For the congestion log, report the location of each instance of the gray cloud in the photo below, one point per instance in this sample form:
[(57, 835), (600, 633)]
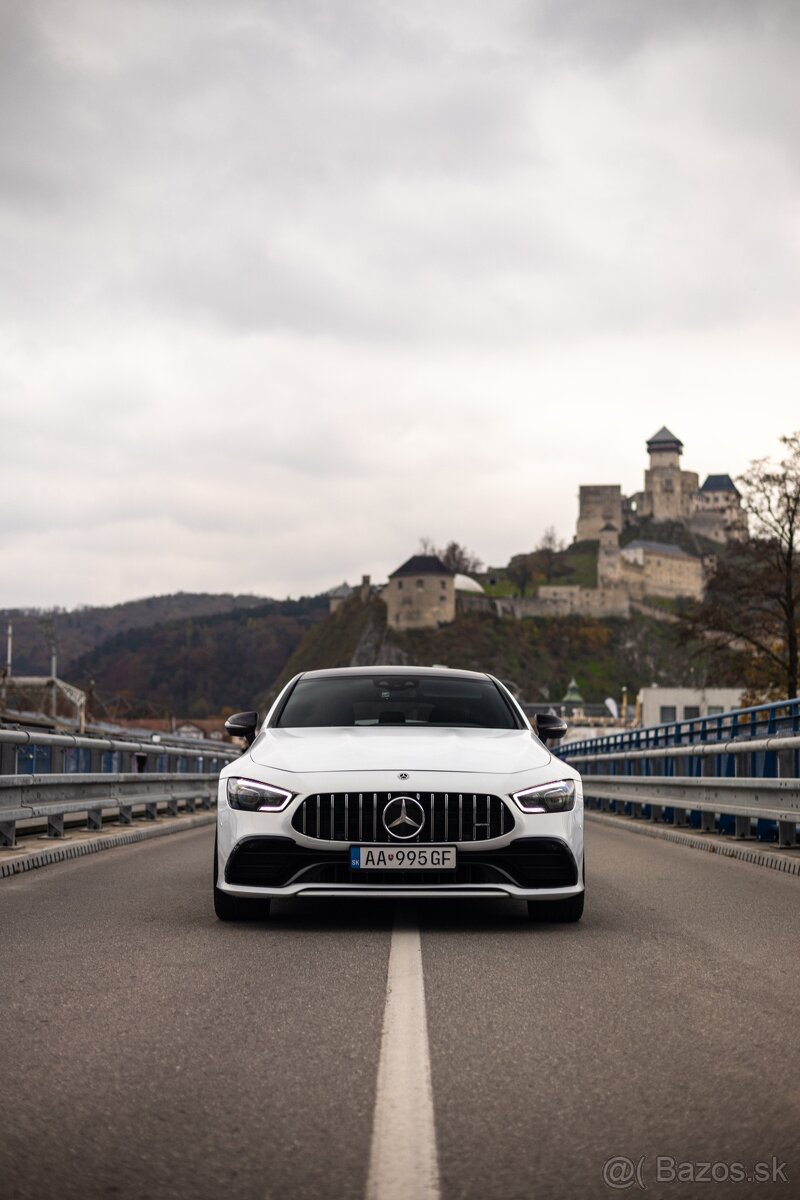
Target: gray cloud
[(369, 271)]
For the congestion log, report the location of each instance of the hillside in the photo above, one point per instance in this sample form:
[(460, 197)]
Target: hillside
[(80, 630), (539, 656), (198, 665), (350, 637)]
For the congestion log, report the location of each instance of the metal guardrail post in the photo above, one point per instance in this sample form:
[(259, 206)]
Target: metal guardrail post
[(55, 825), (787, 833), (8, 759)]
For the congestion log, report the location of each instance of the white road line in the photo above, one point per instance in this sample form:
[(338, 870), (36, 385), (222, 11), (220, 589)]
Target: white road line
[(402, 1162)]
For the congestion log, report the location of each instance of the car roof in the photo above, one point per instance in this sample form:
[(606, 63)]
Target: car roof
[(441, 672)]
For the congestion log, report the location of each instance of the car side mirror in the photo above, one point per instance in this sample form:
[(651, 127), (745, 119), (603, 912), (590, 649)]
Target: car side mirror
[(243, 725), (549, 727)]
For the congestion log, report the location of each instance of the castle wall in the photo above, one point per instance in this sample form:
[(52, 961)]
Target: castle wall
[(552, 601), (648, 573)]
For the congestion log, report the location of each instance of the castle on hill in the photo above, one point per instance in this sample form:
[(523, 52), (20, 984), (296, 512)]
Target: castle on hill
[(713, 511), (656, 544), (649, 563)]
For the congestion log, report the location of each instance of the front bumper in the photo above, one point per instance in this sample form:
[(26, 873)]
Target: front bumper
[(263, 855)]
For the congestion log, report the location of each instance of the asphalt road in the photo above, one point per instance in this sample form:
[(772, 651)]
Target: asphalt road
[(151, 1052)]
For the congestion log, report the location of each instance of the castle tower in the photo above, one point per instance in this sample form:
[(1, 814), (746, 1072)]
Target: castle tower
[(667, 488), (609, 558), (665, 450), (598, 505)]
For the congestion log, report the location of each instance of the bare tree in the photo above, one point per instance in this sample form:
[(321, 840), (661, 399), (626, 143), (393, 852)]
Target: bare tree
[(753, 598), (458, 558), (521, 571), (548, 554)]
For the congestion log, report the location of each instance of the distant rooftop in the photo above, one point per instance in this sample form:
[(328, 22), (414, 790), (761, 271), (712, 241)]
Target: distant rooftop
[(658, 548), (423, 564), (720, 483), (341, 592), (665, 440)]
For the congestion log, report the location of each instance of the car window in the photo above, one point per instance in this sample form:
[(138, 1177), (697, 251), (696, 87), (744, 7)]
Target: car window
[(408, 700)]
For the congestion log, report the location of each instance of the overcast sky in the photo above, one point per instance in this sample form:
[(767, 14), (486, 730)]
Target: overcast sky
[(287, 285)]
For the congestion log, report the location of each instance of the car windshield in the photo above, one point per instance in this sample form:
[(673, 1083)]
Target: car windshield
[(333, 701)]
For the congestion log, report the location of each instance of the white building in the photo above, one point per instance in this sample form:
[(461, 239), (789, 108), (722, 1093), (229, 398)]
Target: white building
[(660, 705)]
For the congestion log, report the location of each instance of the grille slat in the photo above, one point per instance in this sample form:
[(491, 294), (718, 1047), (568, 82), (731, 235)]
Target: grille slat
[(351, 817)]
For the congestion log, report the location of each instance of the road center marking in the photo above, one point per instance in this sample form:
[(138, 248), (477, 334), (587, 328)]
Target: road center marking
[(402, 1161)]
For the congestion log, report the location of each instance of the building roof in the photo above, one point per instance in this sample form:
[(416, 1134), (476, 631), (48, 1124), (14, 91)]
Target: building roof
[(340, 593), (664, 440), (465, 583), (658, 548), (572, 695), (423, 564), (720, 483)]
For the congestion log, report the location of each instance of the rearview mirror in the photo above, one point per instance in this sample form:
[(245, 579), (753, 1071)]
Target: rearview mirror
[(243, 725), (549, 727)]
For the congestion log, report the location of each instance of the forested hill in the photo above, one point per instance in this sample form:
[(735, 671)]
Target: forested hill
[(80, 630), (199, 666)]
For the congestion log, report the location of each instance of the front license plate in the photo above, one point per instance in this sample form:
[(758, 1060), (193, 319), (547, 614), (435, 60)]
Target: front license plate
[(401, 858)]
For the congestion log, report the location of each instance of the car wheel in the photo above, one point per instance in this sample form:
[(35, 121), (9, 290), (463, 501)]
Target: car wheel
[(237, 908), (561, 911)]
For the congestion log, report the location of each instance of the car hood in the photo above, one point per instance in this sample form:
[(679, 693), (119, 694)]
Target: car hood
[(488, 751)]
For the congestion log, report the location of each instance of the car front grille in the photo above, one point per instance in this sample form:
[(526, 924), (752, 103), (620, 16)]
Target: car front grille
[(525, 862), (449, 817)]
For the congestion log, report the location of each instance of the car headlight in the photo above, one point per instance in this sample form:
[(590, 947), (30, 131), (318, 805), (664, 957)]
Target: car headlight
[(253, 796), (547, 797)]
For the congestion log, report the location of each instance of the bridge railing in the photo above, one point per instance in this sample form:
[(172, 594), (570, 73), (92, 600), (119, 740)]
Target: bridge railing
[(737, 772), (94, 775)]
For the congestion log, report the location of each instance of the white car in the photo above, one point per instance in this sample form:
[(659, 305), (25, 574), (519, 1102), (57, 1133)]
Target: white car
[(398, 781)]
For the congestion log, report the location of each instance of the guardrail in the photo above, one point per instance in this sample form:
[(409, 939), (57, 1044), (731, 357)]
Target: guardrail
[(93, 775), (695, 773), (28, 752), (23, 797)]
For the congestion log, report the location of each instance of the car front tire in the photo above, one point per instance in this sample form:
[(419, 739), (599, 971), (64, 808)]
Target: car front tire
[(561, 911), (237, 908)]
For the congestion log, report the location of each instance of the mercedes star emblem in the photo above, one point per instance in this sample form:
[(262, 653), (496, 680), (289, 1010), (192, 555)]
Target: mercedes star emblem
[(403, 775), (403, 817)]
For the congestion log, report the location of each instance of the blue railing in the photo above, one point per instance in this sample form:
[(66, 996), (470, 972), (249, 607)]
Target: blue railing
[(645, 754), (763, 720), (38, 760), (27, 752)]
